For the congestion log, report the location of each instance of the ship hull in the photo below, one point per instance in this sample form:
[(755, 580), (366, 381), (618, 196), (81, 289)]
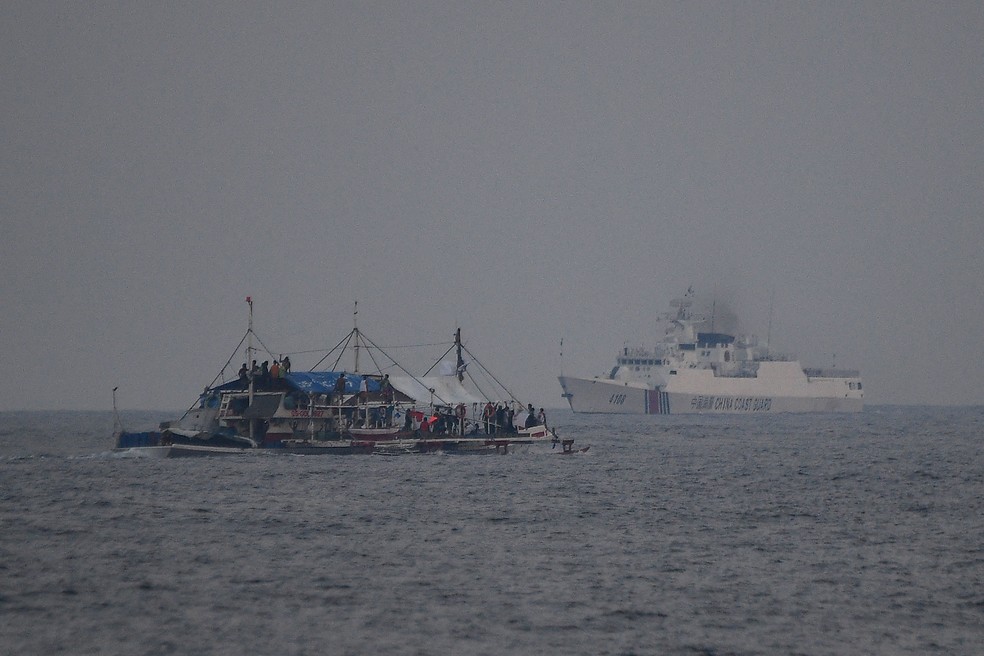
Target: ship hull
[(598, 395)]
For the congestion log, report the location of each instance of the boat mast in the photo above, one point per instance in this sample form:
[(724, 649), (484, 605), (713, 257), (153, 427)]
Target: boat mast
[(459, 365), (355, 331), (249, 362), (117, 422)]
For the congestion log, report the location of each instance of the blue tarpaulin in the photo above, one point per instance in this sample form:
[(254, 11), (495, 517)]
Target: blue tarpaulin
[(323, 382), (312, 382)]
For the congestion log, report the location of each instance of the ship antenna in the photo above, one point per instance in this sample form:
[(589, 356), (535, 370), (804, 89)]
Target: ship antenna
[(768, 335)]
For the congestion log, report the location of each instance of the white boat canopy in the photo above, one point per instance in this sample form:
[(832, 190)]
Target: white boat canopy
[(448, 390)]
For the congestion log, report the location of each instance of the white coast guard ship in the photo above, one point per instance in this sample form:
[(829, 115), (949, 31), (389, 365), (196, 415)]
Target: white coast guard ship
[(709, 372)]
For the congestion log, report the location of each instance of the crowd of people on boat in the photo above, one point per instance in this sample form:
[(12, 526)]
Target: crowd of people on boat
[(265, 375), (494, 419)]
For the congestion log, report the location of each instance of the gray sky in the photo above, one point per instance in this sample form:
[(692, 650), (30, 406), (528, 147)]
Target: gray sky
[(528, 171)]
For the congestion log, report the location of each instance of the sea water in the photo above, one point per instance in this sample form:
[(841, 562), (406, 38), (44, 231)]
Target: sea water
[(809, 534)]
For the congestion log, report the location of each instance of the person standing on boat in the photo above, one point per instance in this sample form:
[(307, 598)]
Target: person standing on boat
[(500, 417), (275, 371), (541, 418), (243, 375), (285, 364), (510, 414), (339, 389), (487, 414), (530, 416), (386, 387), (363, 390), (265, 373)]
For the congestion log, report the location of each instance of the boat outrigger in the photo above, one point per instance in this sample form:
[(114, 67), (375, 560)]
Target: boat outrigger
[(339, 411)]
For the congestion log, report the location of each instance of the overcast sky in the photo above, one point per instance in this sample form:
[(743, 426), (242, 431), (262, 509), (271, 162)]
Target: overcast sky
[(529, 171)]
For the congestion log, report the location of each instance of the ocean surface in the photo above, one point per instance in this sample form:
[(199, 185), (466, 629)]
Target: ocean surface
[(847, 534)]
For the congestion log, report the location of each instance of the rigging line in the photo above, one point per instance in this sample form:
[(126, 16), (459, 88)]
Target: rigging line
[(222, 371), (489, 373), (268, 351), (402, 346), (478, 387), (440, 358), (400, 367), (491, 381), (365, 341), (344, 339), (341, 351)]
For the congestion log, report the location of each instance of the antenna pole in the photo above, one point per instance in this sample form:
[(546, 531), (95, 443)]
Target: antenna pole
[(768, 336)]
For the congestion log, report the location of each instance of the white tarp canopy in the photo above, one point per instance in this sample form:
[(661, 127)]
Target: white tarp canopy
[(448, 390)]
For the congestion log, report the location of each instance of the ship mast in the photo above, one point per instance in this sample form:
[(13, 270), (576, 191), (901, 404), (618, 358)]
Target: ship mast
[(249, 361)]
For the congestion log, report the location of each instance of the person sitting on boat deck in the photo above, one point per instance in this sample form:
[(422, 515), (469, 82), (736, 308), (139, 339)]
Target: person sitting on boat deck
[(243, 375), (530, 416), (339, 391)]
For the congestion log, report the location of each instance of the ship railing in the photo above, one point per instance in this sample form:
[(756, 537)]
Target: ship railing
[(830, 372)]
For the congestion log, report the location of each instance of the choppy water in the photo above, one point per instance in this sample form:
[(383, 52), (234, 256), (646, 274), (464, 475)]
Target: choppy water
[(672, 535)]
